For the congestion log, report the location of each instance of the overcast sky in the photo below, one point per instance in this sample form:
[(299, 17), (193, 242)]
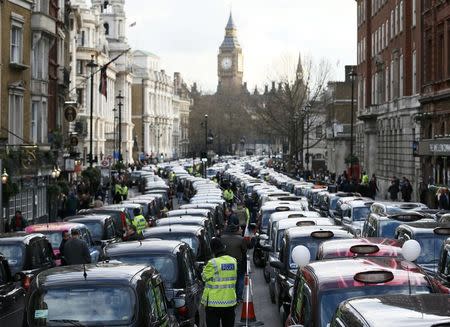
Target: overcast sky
[(186, 34)]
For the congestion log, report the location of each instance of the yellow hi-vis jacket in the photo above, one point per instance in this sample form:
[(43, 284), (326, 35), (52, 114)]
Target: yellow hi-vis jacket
[(228, 195), (220, 276), (118, 189), (140, 223), (247, 216)]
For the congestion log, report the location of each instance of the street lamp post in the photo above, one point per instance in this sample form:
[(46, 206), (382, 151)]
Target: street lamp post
[(352, 76), (120, 104), (92, 65)]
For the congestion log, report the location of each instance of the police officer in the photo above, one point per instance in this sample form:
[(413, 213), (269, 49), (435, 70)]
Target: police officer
[(124, 191), (117, 193), (228, 196), (219, 294), (139, 221)]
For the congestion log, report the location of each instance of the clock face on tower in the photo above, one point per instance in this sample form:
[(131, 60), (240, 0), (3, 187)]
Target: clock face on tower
[(226, 63)]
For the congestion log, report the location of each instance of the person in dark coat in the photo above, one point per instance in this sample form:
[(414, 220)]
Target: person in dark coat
[(394, 189), (76, 251), (373, 187), (236, 247), (406, 190), (18, 223), (65, 238)]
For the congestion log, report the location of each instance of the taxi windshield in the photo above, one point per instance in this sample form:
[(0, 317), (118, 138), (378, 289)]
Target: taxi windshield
[(265, 218), (430, 248), (166, 265), (360, 213), (86, 305), (190, 240), (388, 228), (14, 254), (330, 300), (54, 238), (96, 229), (333, 203)]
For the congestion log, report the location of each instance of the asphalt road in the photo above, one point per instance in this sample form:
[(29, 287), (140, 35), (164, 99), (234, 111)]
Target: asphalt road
[(265, 310)]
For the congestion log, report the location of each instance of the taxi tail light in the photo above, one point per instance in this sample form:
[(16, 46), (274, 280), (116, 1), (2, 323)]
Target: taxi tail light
[(26, 282), (374, 277), (183, 311), (364, 249)]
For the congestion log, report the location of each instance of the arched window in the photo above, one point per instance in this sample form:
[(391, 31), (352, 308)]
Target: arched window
[(106, 26)]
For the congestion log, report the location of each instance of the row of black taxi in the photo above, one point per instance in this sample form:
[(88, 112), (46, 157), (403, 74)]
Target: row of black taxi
[(343, 260), (153, 281)]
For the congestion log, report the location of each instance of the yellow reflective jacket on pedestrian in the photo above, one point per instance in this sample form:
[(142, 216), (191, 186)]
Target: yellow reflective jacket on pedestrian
[(118, 189), (228, 195), (220, 276), (125, 191), (140, 223), (247, 216)]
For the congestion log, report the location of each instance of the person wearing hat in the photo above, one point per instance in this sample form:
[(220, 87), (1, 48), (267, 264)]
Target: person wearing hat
[(236, 247), (219, 294)]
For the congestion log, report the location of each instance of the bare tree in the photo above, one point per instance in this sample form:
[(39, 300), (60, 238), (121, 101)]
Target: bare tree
[(288, 108)]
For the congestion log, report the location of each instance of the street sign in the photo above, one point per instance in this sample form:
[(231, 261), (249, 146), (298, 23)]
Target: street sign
[(70, 113), (105, 163), (73, 141)]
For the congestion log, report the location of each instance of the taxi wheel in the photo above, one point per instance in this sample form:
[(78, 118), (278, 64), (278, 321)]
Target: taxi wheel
[(266, 274)]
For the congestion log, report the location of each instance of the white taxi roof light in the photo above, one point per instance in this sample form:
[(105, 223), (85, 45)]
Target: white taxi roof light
[(301, 255), (322, 234), (305, 223), (374, 277), (364, 249), (442, 230), (296, 215), (278, 209), (411, 250)]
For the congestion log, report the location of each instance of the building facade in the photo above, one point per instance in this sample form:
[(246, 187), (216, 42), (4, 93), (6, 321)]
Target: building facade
[(388, 58), (434, 144), (337, 100)]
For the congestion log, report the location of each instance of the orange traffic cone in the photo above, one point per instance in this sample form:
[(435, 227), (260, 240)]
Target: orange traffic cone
[(248, 317)]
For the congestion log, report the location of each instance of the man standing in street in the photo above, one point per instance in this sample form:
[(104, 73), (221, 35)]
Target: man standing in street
[(76, 251), (18, 222), (219, 295), (236, 247), (65, 238), (139, 221), (229, 196)]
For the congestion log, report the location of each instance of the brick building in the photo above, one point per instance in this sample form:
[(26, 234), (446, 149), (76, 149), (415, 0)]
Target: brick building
[(434, 144), (388, 57)]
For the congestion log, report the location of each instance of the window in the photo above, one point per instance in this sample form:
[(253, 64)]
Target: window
[(106, 26), (396, 21), (387, 32), (414, 13), (414, 72), (80, 96), (440, 53), (16, 43), (401, 20), (401, 77), (80, 68), (382, 36), (34, 121), (319, 133), (392, 24), (15, 117), (39, 65), (387, 84)]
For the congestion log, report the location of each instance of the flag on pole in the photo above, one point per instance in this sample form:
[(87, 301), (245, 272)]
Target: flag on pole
[(103, 81)]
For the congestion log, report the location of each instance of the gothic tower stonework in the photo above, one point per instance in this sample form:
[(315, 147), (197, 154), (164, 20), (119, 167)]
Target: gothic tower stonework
[(230, 63)]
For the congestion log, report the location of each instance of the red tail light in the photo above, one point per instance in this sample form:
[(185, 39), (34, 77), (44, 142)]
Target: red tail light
[(183, 311), (26, 282)]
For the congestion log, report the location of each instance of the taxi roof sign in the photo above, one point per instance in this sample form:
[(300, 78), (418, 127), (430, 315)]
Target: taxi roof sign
[(364, 249), (322, 234), (374, 277), (305, 223)]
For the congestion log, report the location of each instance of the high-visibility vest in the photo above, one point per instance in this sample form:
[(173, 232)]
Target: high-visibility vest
[(125, 190), (118, 189), (228, 195), (140, 223), (220, 276)]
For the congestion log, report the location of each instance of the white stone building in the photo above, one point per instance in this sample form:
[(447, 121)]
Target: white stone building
[(156, 108), (91, 36)]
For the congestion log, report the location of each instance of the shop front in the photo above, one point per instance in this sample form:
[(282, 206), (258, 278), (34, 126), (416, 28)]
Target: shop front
[(435, 160)]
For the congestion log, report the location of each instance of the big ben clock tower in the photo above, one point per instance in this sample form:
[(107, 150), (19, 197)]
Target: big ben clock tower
[(230, 62)]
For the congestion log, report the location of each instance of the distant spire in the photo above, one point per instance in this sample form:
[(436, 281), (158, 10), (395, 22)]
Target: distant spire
[(230, 24), (299, 73)]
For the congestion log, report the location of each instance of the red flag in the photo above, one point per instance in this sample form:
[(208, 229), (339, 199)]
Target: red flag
[(103, 81)]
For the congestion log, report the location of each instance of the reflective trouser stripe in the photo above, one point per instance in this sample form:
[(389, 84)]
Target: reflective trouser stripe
[(219, 286), (212, 303)]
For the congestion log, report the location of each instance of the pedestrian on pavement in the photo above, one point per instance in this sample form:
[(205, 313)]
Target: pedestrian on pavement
[(443, 198), (98, 203), (393, 189), (236, 247), (219, 294), (65, 238), (18, 223), (373, 187), (180, 191), (76, 251), (406, 189)]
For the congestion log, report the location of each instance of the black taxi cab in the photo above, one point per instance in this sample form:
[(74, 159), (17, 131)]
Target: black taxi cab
[(102, 294), (309, 236), (424, 310), (175, 263), (431, 237), (322, 285), (443, 272), (12, 297)]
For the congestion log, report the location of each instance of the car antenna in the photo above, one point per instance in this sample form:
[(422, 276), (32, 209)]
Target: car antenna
[(84, 271)]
